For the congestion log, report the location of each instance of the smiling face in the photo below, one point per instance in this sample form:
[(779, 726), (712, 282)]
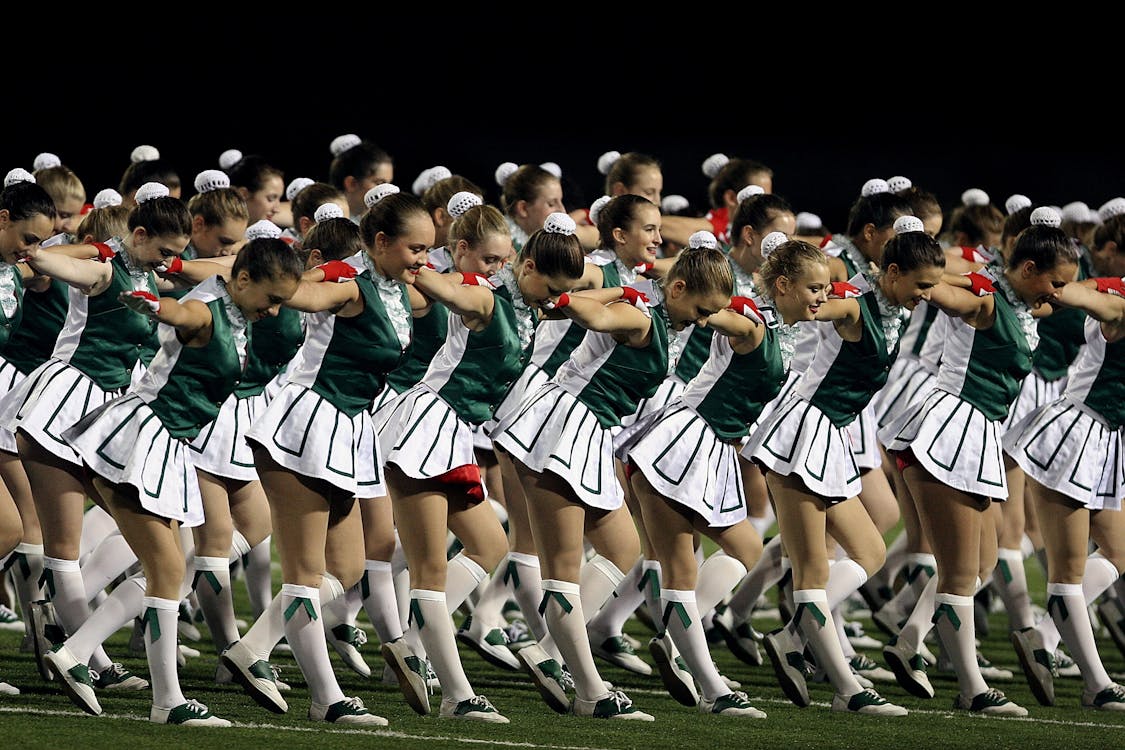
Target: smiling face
[(17, 238), (1037, 287), (800, 298), (687, 308), (536, 288), (910, 288), (400, 258), (638, 242), (151, 250), (263, 298), (264, 203)]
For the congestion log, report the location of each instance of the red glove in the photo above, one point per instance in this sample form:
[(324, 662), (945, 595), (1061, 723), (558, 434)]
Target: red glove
[(173, 266), (145, 303), (1111, 285), (105, 252), (337, 270), (643, 268), (632, 295), (975, 254), (981, 284), (468, 278), (843, 290), (745, 306), (562, 301)]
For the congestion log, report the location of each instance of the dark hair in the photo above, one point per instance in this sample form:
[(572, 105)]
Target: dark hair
[(734, 175), (523, 185), (163, 216), (977, 221), (358, 161), (912, 250), (922, 202), (880, 209), (311, 197), (23, 200), (154, 170), (620, 211), (1045, 246), (1111, 230), (756, 212), (267, 258), (1016, 222), (627, 168), (336, 238), (389, 216), (556, 255), (251, 172), (437, 195)]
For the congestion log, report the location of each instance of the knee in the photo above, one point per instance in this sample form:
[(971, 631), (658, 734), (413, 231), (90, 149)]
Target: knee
[(9, 538), (872, 557), (348, 573), (623, 555)]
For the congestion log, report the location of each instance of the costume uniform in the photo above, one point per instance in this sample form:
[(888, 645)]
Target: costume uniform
[(1074, 444), (319, 424), (91, 363), (806, 435), (688, 450), (565, 426), (140, 438), (221, 448), (955, 431)]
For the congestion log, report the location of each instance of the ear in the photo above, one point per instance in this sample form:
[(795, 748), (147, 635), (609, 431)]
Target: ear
[(617, 188), (304, 224), (869, 232), (242, 280), (521, 209), (244, 192), (893, 271), (197, 223), (5, 217), (315, 257), (140, 234), (350, 183), (783, 285), (679, 286), (619, 235), (1028, 269), (730, 198), (462, 246)]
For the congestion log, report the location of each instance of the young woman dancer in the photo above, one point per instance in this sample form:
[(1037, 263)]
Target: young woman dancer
[(949, 443), (560, 441), (135, 447), (812, 474)]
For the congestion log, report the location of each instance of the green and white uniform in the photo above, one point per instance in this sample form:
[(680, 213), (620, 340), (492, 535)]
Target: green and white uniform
[(916, 366), (688, 451), (1074, 444), (141, 438), (955, 431), (554, 341), (319, 425), (221, 448), (92, 361), (11, 313), (807, 434), (566, 425), (427, 432)]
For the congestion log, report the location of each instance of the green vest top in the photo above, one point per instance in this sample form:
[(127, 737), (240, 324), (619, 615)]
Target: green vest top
[(275, 343), (428, 337), (33, 341)]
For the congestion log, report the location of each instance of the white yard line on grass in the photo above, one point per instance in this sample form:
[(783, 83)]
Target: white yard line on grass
[(320, 729)]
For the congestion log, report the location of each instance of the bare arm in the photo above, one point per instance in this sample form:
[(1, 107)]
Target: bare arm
[(1106, 308), (745, 333), (89, 276), (312, 296), (469, 301), (959, 302), (615, 319), (191, 318), (679, 229)]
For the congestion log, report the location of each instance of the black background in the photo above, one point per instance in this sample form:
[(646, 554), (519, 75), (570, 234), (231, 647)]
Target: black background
[(826, 106)]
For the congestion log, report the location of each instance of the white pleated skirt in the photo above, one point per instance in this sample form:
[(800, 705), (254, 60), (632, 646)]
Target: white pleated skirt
[(306, 434), (10, 377), (221, 448)]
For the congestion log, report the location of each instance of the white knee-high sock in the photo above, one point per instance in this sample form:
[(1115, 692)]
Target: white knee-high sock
[(266, 631), (1066, 604), (489, 609), (377, 588), (845, 576), (430, 615), (1010, 581), (343, 609), (401, 580), (119, 608), (954, 618), (598, 579), (916, 572), (212, 588), (305, 633), (884, 577), (27, 569), (63, 581), (920, 621), (527, 585), (110, 558), (718, 576), (681, 622), (462, 576), (629, 594), (562, 609), (652, 580), (258, 575), (813, 618), (765, 573), (160, 616), (1099, 575)]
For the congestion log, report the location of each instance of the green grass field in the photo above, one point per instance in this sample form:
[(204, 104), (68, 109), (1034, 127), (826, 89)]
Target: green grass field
[(42, 717)]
